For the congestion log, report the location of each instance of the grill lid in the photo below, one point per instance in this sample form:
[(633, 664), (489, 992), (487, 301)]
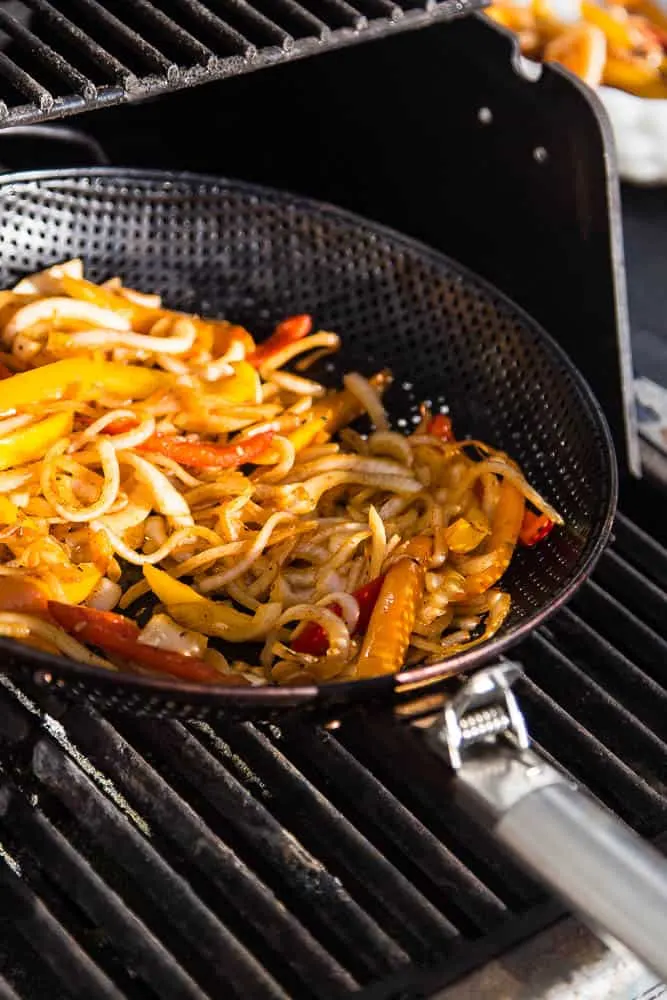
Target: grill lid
[(67, 56)]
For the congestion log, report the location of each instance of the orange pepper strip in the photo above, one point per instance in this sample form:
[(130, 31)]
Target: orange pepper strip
[(202, 456), (393, 618), (340, 408), (288, 332), (117, 634), (507, 521)]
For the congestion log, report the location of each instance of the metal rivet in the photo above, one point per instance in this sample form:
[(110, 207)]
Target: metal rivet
[(540, 154), (485, 116)]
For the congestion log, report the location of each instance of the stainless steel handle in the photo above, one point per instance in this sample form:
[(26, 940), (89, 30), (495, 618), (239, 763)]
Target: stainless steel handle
[(604, 871), (601, 868)]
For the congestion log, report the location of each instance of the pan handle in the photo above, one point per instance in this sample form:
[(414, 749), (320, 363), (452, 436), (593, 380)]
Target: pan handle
[(601, 868)]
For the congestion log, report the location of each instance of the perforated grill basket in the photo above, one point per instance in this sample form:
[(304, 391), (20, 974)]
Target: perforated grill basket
[(254, 256)]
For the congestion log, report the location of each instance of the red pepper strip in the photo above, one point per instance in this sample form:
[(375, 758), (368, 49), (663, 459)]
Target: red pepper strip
[(288, 332), (441, 426), (77, 619), (201, 456), (117, 634), (315, 641), (534, 528)]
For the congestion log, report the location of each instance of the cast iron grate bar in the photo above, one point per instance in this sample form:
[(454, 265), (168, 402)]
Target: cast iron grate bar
[(620, 677), (168, 890), (102, 905), (624, 628), (166, 810), (169, 33), (311, 885), (117, 33), (632, 587), (224, 35), (101, 53), (341, 13), (641, 550), (28, 42), (111, 67), (373, 804), (6, 991), (386, 7), (259, 26), (398, 906), (24, 84), (249, 860), (57, 948)]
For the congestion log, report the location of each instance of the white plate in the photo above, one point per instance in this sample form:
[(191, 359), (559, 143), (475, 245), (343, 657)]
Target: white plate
[(640, 133)]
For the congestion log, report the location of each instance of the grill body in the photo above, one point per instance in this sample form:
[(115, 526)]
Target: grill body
[(136, 853)]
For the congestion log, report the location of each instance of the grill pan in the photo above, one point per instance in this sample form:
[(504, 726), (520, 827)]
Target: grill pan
[(254, 255)]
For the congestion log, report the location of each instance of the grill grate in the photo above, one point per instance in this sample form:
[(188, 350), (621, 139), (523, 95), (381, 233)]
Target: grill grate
[(69, 56), (146, 858)]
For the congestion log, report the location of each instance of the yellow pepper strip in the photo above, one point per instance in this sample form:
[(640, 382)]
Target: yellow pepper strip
[(300, 438), (306, 433), (463, 536), (86, 577), (8, 511), (30, 443), (213, 335), (81, 377), (189, 608), (242, 386), (390, 627), (505, 528), (104, 298)]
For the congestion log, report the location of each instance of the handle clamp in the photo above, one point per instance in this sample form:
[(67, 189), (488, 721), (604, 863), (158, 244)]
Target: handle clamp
[(467, 735), (484, 709)]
